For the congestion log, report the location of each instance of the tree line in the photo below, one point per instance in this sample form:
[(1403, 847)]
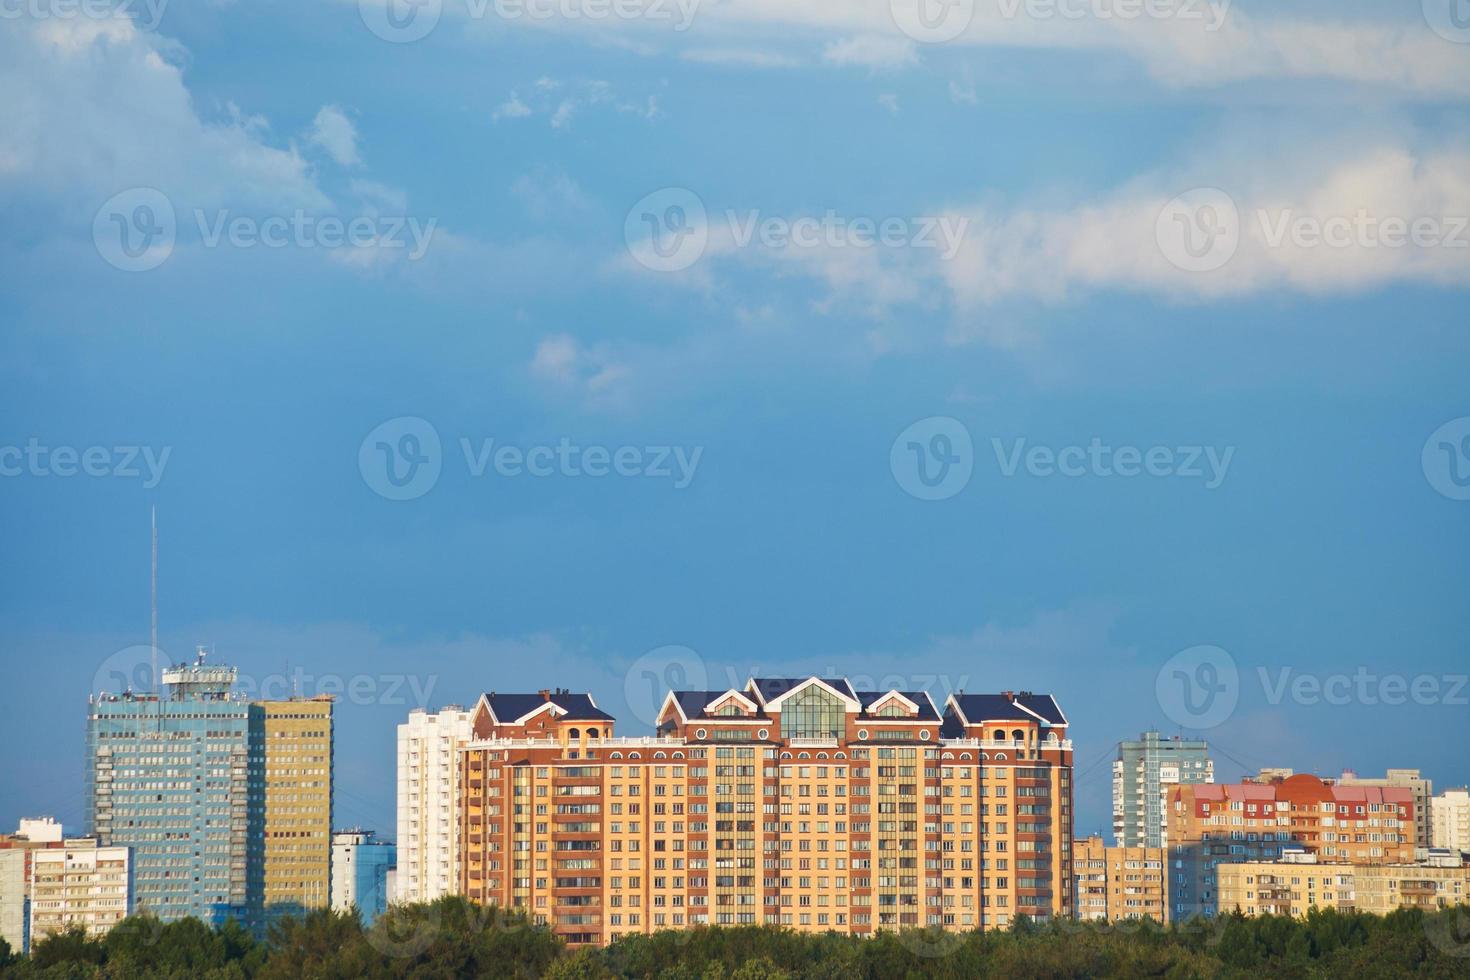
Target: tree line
[(453, 938)]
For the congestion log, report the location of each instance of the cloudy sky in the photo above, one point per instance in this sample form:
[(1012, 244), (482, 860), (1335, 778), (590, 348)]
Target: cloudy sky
[(1111, 349)]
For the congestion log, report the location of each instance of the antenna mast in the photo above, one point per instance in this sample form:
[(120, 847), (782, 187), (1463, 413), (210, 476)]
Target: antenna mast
[(153, 596)]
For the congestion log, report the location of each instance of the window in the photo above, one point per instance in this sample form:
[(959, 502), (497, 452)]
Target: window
[(812, 712)]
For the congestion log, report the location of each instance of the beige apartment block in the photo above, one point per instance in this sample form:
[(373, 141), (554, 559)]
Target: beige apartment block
[(1284, 887), (290, 870), (1450, 820), (1383, 888), (79, 884), (1118, 883)]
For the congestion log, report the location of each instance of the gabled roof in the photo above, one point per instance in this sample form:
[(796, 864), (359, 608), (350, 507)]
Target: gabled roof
[(695, 704), (768, 689), (978, 709), (919, 700), (511, 709)]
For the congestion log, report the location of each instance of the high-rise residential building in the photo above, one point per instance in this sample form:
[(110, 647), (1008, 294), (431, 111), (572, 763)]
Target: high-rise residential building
[(1450, 820), (1410, 779), (361, 866), (80, 884), (801, 802), (290, 852), (1212, 825), (1119, 883), (428, 799), (1142, 774), (168, 777)]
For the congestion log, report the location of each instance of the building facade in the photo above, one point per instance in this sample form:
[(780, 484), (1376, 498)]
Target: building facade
[(1119, 883), (799, 802), (290, 798), (1290, 887), (428, 844), (361, 869), (1450, 821), (1382, 888), (1215, 825), (168, 778), (1411, 780), (1142, 774), (15, 877), (80, 884)]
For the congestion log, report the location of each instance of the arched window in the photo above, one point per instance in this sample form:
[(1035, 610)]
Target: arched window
[(575, 733), (1000, 735), (812, 712), (592, 733), (1018, 735)]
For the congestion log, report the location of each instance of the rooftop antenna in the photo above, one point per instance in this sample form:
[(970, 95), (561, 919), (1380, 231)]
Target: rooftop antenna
[(153, 596)]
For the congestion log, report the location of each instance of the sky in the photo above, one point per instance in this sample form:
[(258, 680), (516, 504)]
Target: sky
[(1110, 350)]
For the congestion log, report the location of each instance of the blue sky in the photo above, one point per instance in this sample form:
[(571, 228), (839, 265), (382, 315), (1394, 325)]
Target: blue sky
[(1331, 546)]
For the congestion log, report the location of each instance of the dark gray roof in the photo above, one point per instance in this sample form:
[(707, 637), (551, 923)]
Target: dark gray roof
[(774, 687), (692, 703), (981, 708), (578, 707), (927, 711)]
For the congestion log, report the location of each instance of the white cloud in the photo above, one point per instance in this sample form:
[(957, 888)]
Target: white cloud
[(889, 101), (92, 107), (871, 51), (335, 133), (511, 108), (746, 57), (591, 374)]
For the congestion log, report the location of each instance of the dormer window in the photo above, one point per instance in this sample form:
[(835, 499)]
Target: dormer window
[(894, 710), (730, 710)]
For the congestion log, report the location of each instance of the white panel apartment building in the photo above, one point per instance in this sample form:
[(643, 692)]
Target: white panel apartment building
[(428, 798), (1450, 816), (80, 884)]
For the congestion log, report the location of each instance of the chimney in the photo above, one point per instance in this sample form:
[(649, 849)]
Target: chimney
[(545, 694), (1008, 695)]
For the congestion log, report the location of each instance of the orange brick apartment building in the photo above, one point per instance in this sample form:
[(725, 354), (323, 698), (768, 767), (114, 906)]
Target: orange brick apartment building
[(1214, 824), (799, 802)]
